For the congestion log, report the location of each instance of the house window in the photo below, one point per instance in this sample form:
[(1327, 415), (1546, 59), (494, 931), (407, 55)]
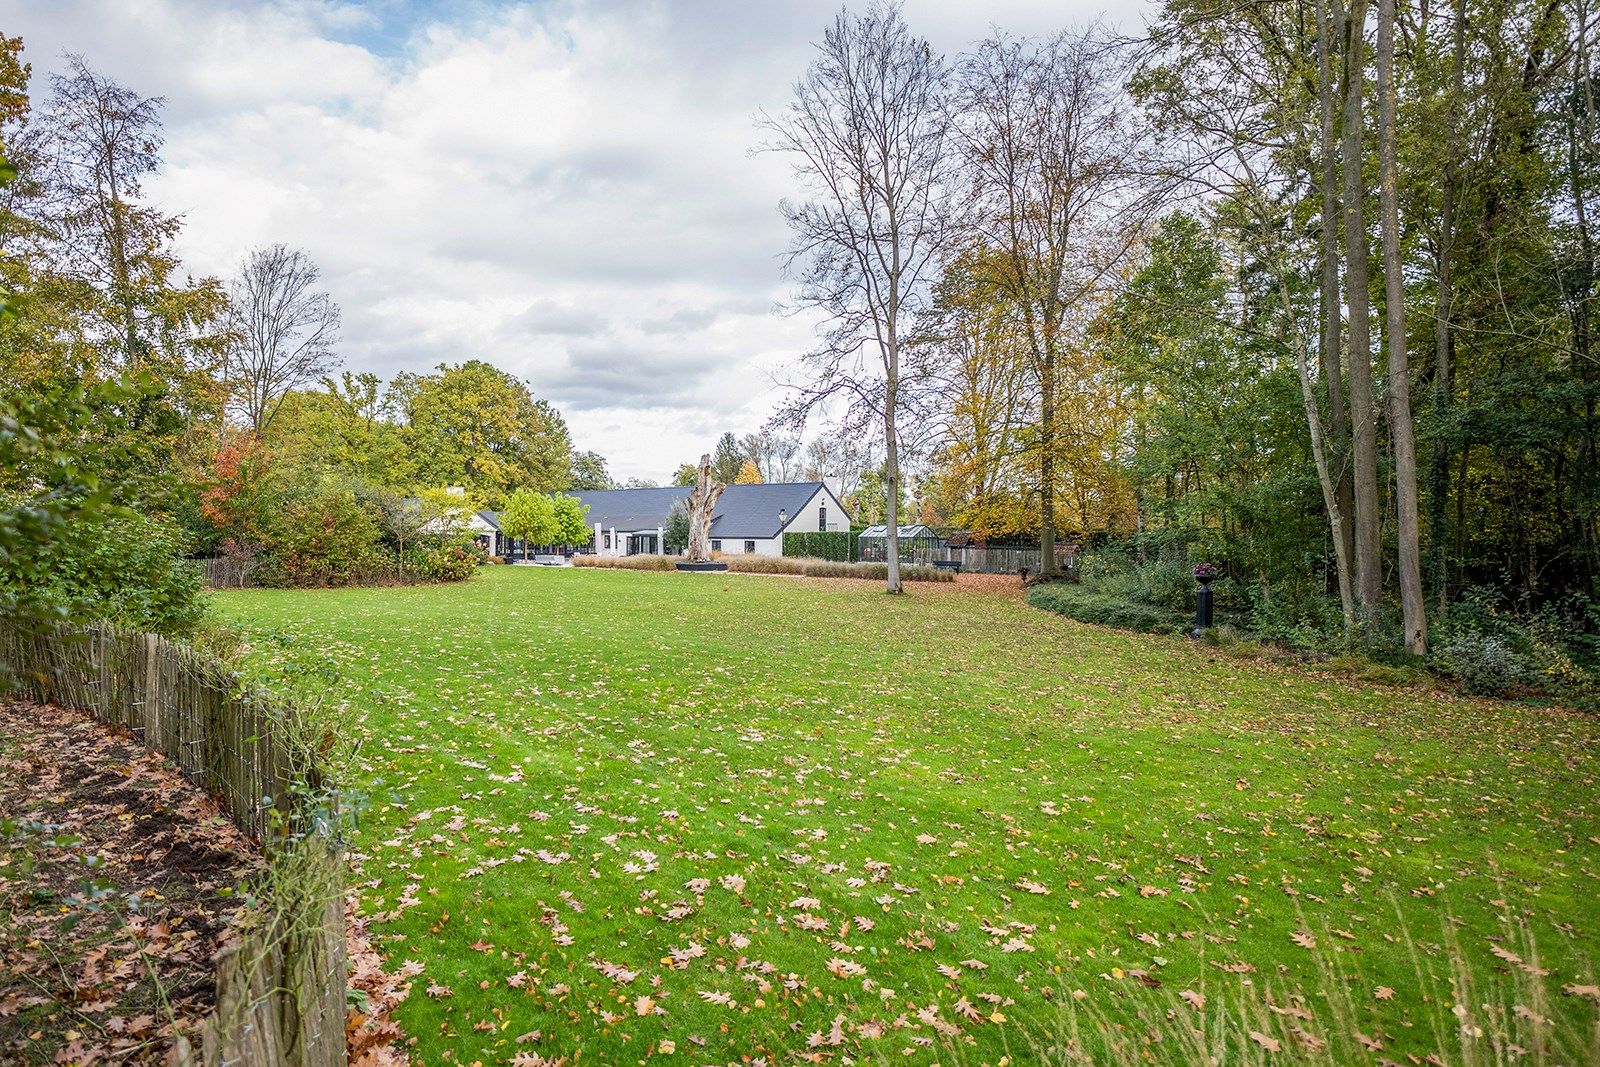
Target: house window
[(822, 517), (749, 546), (716, 546)]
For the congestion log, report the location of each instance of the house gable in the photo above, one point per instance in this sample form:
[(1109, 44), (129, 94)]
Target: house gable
[(743, 512)]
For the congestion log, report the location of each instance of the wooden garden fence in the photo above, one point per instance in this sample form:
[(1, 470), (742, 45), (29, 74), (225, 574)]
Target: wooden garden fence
[(281, 987)]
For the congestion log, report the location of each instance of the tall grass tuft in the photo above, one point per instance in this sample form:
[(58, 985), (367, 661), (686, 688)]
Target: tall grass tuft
[(1491, 1007)]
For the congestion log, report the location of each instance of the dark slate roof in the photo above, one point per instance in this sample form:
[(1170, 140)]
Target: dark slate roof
[(752, 510), (742, 510), (490, 517), (629, 509)]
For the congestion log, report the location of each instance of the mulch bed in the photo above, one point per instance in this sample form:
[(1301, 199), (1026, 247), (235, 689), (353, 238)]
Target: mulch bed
[(117, 881)]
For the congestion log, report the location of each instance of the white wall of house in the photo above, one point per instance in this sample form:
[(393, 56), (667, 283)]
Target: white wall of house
[(610, 541), (811, 516), (735, 546)]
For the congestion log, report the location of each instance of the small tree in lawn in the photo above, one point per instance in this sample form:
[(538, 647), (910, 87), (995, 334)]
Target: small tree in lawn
[(572, 520), (399, 516), (530, 517), (676, 532)]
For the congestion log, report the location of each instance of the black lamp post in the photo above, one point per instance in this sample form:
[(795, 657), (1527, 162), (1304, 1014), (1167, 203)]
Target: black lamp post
[(783, 520)]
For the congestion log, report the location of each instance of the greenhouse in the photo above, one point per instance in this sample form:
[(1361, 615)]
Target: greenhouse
[(918, 544)]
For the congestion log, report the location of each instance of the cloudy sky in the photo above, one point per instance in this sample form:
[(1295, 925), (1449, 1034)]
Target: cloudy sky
[(564, 189)]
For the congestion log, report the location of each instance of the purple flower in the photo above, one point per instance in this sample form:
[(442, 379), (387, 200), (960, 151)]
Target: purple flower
[(1205, 570)]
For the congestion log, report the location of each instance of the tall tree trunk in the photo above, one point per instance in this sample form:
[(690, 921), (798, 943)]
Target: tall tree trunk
[(1364, 427), (1330, 493), (1402, 434), (1444, 306), (1047, 460), (122, 276), (891, 462), (1581, 134), (1337, 466)]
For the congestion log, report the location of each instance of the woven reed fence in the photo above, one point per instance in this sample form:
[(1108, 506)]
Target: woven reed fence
[(281, 987)]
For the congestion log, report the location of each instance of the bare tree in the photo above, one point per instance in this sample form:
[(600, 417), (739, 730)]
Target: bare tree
[(106, 137), (284, 330), (758, 448), (867, 129), (785, 455), (1402, 434), (1048, 148), (840, 458), (773, 451)]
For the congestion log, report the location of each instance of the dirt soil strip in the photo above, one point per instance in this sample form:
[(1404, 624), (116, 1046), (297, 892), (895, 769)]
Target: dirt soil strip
[(117, 886)]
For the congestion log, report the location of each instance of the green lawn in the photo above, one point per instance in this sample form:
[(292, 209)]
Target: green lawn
[(744, 814)]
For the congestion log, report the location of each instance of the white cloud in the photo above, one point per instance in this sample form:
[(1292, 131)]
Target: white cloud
[(565, 190)]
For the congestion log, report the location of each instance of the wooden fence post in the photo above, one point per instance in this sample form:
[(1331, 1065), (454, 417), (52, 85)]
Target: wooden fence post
[(152, 695)]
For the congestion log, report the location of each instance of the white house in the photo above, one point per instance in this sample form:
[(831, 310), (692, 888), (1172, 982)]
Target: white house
[(482, 526), (747, 519)]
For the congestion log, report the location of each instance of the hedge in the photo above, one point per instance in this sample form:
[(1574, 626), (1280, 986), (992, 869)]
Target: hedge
[(836, 546), (755, 564), (1076, 602)]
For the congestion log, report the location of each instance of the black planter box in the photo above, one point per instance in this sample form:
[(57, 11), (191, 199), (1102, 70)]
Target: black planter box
[(685, 565)]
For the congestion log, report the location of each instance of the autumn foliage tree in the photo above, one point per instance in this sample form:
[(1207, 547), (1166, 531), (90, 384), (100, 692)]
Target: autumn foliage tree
[(239, 500)]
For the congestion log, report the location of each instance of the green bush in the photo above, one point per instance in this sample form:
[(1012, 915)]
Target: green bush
[(1164, 584), (676, 531), (1492, 649), (322, 536), (120, 566), (1311, 623), (758, 564), (1486, 664), (444, 563), (1086, 605)]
